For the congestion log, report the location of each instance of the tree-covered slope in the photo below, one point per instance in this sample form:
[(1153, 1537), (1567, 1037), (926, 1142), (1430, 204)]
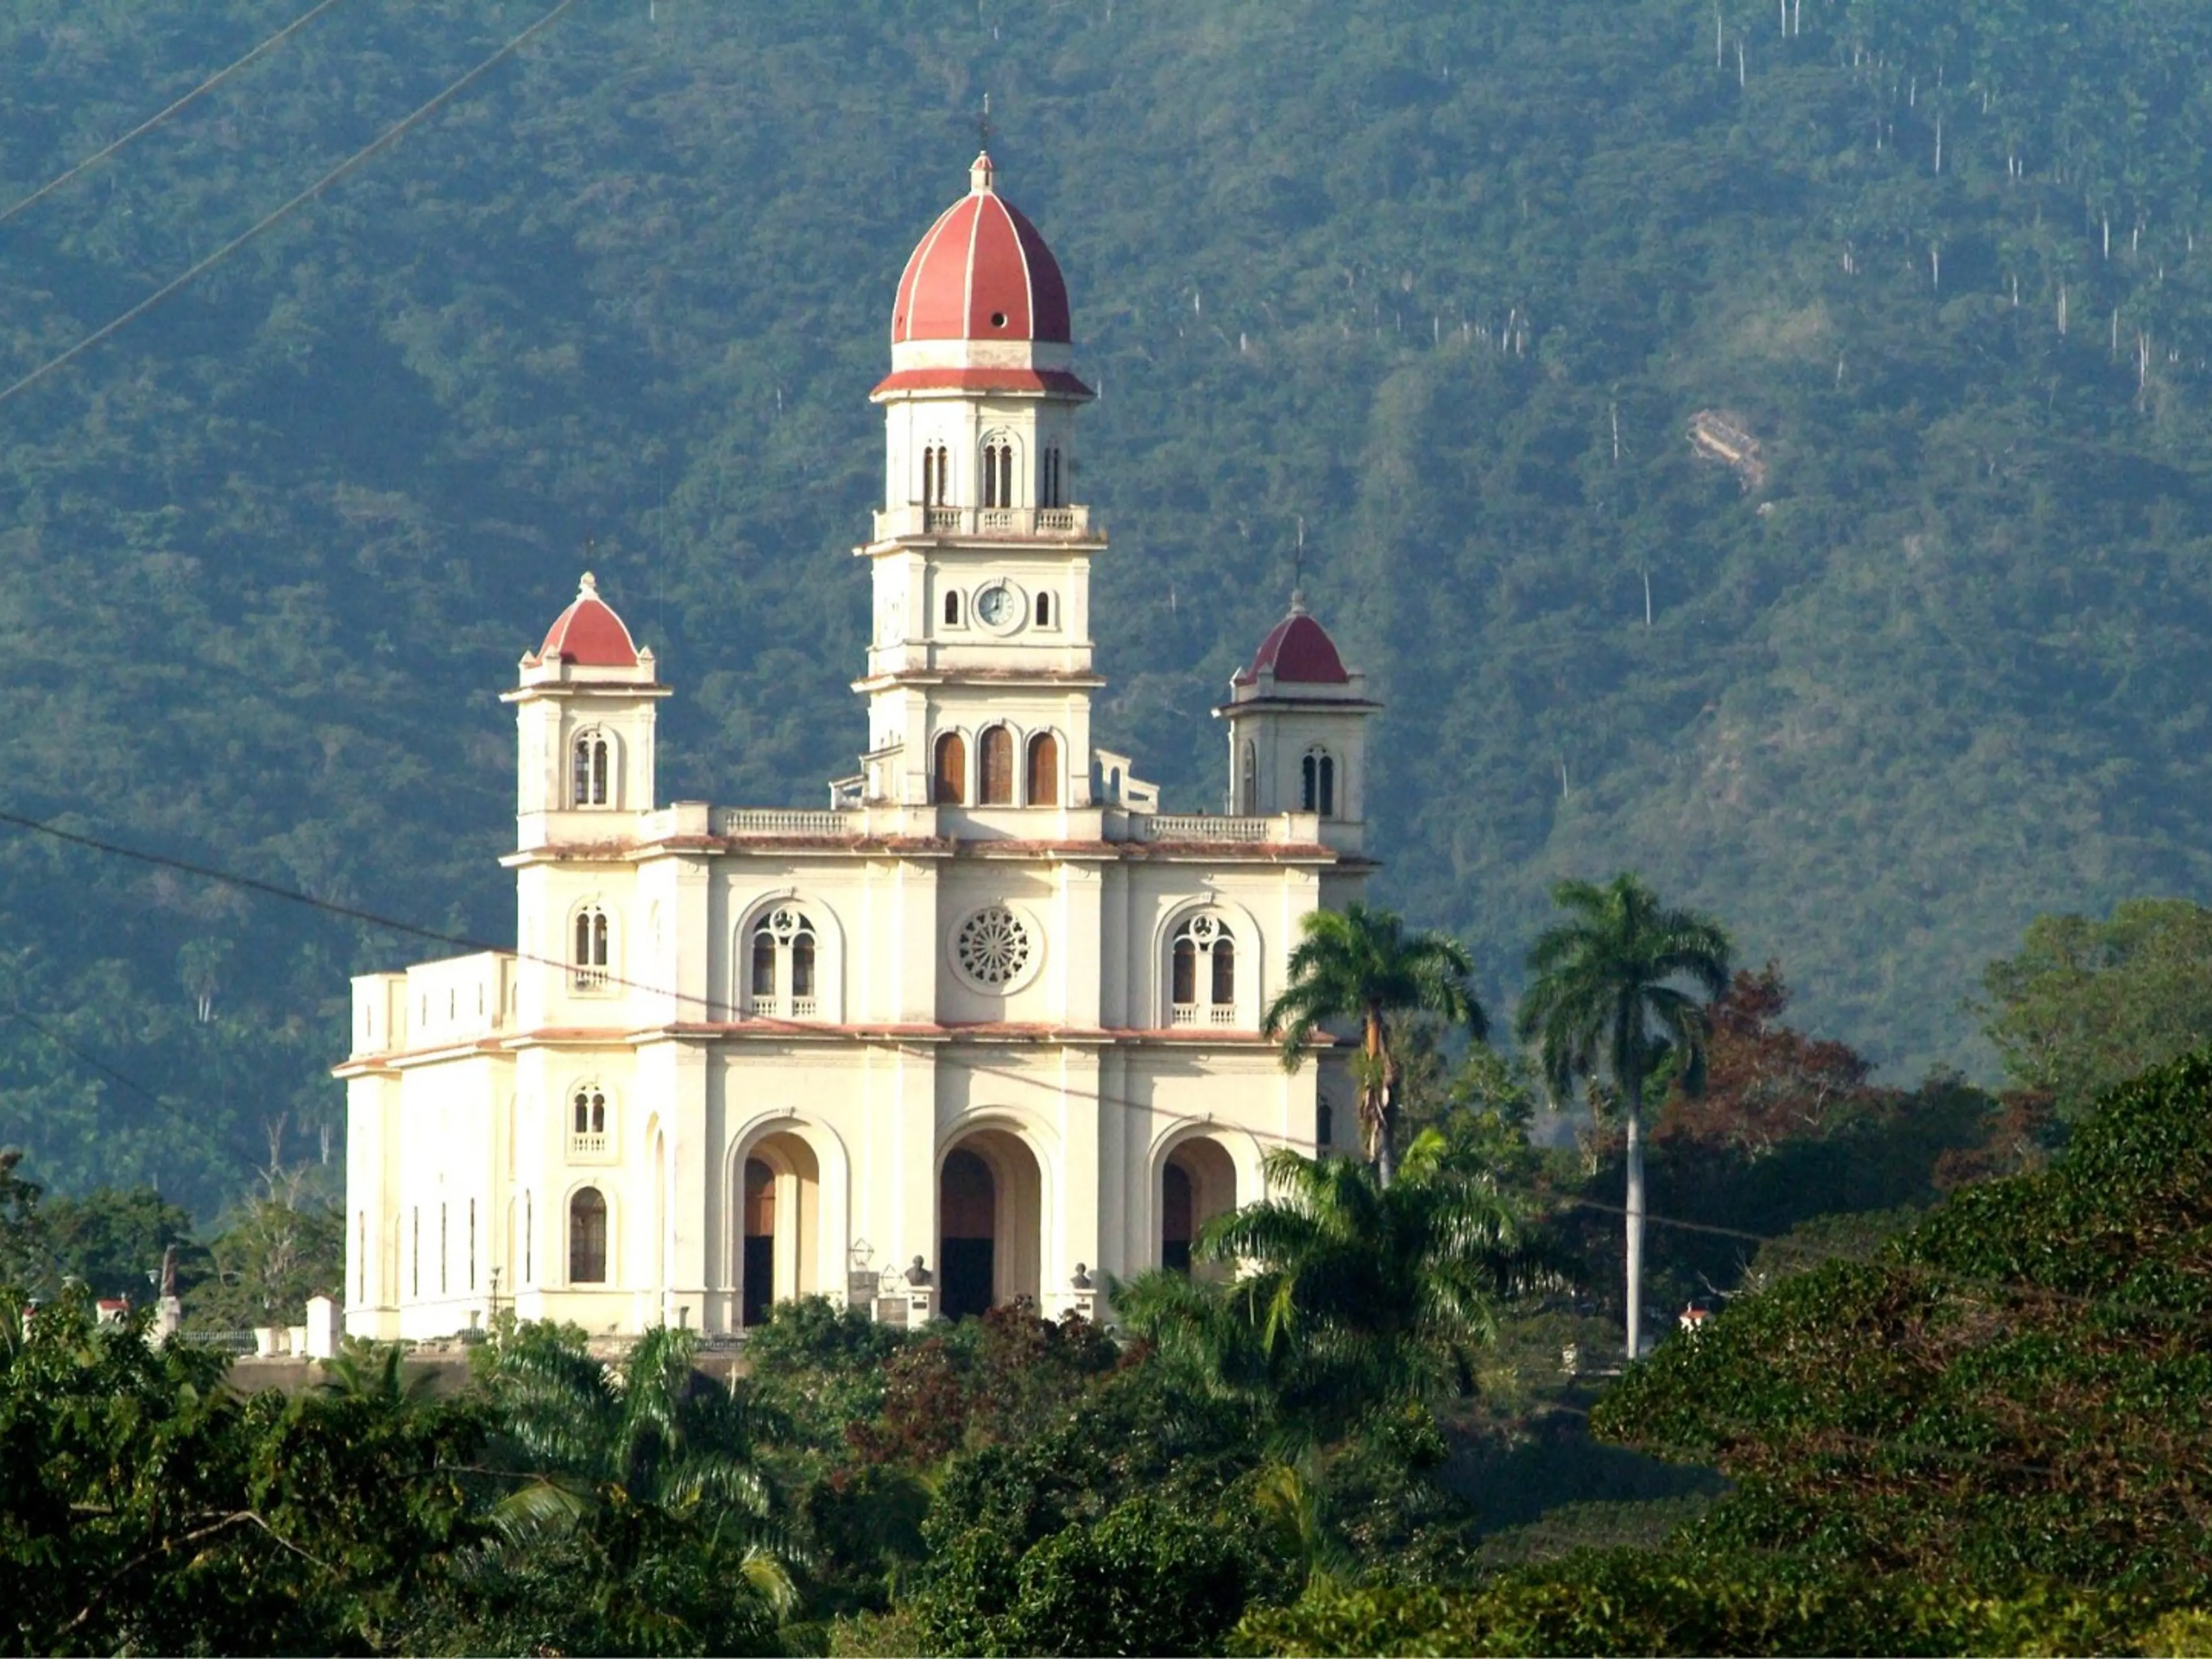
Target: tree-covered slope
[(1448, 282)]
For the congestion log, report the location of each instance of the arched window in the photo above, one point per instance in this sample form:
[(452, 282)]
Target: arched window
[(1248, 798), (1049, 480), (590, 1106), (1044, 771), (587, 1237), (1044, 611), (590, 961), (1185, 977), (953, 609), (1203, 957), (783, 956), (997, 783), (589, 772), (763, 978), (948, 777), (997, 474), (1318, 773), (936, 475)]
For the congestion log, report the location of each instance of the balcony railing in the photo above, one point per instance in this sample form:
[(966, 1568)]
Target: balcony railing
[(1221, 1015), (587, 1145), (1202, 826), (1014, 522), (739, 823)]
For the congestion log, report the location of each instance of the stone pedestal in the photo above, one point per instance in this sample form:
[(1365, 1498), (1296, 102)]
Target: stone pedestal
[(325, 1329)]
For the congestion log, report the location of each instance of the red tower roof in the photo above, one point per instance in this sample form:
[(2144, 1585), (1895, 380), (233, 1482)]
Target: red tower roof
[(1299, 651), (981, 273), (589, 633)]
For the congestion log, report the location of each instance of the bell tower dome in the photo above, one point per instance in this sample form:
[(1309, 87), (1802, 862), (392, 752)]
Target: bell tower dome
[(584, 728), (979, 675), (1297, 731)]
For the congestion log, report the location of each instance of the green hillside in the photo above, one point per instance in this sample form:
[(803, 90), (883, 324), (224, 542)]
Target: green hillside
[(1449, 282)]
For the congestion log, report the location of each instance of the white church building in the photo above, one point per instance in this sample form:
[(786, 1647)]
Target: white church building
[(986, 1028)]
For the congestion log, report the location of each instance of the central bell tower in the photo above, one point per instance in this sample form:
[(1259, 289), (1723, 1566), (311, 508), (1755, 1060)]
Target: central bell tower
[(979, 676)]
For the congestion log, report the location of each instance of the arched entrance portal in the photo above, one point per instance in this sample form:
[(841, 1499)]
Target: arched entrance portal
[(990, 1222), (779, 1213), (1197, 1183)]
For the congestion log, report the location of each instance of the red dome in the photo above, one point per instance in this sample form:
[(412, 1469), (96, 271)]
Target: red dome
[(589, 633), (981, 273), (1300, 652)]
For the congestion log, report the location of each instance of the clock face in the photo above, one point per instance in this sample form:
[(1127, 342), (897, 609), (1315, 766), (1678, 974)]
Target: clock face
[(995, 606)]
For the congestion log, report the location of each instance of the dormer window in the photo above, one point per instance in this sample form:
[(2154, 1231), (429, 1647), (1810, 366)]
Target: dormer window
[(1318, 775), (1202, 974), (948, 775), (784, 956), (589, 780), (998, 474), (588, 964), (998, 768), (1043, 778)]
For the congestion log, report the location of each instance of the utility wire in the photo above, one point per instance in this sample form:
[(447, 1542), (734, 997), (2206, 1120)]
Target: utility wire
[(152, 121), (2021, 1289), (84, 1056), (375, 146)]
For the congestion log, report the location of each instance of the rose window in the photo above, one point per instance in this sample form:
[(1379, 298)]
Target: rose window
[(993, 948)]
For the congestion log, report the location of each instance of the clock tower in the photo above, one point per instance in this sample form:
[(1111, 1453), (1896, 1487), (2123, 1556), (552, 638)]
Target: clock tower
[(980, 676)]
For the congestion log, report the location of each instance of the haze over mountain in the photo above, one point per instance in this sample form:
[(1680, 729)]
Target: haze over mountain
[(1452, 285)]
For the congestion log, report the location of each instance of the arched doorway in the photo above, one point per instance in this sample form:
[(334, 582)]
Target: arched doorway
[(1198, 1182), (756, 1272), (779, 1216), (990, 1223)]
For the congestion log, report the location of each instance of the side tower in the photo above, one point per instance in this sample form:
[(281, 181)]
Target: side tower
[(584, 728), (980, 675), (1298, 732)]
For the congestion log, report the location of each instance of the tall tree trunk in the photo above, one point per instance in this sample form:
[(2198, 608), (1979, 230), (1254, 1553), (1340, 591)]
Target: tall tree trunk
[(1634, 1091), (1384, 1106)]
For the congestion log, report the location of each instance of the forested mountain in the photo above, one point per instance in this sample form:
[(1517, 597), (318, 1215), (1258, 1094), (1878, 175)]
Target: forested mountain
[(1452, 284)]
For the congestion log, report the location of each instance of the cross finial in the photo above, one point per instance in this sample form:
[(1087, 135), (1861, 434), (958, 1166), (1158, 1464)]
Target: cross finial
[(1298, 569), (983, 128)]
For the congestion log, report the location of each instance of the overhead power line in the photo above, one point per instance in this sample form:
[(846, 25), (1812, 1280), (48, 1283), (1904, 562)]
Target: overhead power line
[(155, 120), (2020, 1289), (353, 163)]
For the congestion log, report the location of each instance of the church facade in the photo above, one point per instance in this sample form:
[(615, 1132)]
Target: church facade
[(986, 1028)]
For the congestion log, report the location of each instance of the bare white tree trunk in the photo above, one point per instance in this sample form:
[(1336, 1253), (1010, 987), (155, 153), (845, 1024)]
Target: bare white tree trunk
[(1635, 1207)]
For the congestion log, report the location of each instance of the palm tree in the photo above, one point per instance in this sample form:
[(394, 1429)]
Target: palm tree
[(1360, 1298), (1359, 964), (1604, 997)]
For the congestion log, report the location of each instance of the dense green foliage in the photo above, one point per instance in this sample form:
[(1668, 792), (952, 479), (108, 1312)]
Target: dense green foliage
[(2083, 1005), (266, 1255), (2036, 1343), (1989, 1436), (1352, 1302), (1403, 272)]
